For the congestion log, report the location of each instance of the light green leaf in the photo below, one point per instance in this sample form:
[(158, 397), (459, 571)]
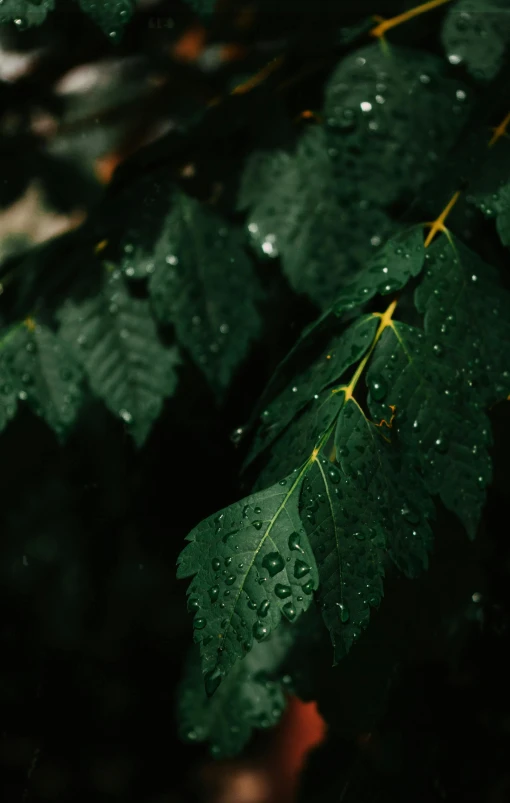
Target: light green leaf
[(116, 340), (204, 284), (251, 564)]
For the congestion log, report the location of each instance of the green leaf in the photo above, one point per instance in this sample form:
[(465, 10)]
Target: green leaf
[(298, 211), (110, 15), (126, 365), (25, 13), (301, 437), (395, 113), (353, 511), (441, 426), (496, 204), (205, 285), (341, 352), (466, 316), (251, 563), (8, 394), (45, 374), (476, 33), (248, 698), (387, 494), (387, 271)]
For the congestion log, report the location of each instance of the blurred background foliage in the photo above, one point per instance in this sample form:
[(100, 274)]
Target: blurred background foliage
[(94, 630)]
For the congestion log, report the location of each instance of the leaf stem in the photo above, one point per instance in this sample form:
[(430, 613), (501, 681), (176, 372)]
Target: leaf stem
[(386, 25), (385, 321), (500, 130), (438, 224)]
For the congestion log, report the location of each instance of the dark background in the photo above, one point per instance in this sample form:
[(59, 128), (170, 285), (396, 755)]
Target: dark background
[(94, 629)]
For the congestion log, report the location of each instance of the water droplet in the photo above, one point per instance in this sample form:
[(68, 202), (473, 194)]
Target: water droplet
[(289, 611), (334, 475), (294, 544), (378, 388), (252, 605), (282, 591), (257, 524), (193, 604), (260, 631), (343, 612), (216, 564), (308, 587), (273, 562), (441, 444), (230, 580), (264, 608), (300, 569), (214, 593), (200, 623)]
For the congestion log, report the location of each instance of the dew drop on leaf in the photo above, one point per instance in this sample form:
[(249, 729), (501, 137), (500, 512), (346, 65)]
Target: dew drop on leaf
[(282, 591), (294, 544), (193, 605), (200, 623), (300, 569), (378, 388), (273, 562), (289, 611), (343, 612), (264, 608), (260, 631)]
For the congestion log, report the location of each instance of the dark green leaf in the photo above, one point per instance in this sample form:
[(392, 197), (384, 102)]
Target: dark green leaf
[(45, 374), (251, 563), (395, 113), (342, 351), (443, 430), (387, 271), (116, 340), (110, 15), (466, 316), (476, 33), (25, 13), (299, 212), (205, 285), (248, 698), (301, 437), (353, 511), (8, 393)]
